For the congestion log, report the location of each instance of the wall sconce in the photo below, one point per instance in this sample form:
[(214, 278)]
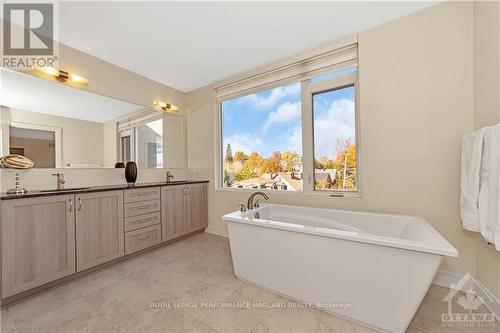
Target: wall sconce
[(166, 107), (62, 76)]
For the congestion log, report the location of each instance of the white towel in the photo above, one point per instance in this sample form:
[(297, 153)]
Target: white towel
[(472, 147), (489, 193)]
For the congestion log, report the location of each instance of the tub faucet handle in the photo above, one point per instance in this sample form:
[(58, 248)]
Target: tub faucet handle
[(243, 208)]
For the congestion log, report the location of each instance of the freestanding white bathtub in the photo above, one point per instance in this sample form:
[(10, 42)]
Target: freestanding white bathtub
[(374, 269)]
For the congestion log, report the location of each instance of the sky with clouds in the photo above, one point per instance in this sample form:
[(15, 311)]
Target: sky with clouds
[(270, 121)]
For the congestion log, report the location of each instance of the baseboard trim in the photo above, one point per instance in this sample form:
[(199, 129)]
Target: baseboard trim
[(216, 231), (452, 281), (447, 279)]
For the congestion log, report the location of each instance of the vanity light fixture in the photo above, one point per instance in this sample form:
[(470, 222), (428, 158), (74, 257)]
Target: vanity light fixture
[(166, 107), (62, 76)]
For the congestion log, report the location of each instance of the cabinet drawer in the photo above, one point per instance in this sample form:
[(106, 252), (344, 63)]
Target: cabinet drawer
[(141, 221), (141, 194), (141, 207), (142, 238)]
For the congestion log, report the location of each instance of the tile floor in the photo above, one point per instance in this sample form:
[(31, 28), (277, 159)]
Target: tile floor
[(134, 297)]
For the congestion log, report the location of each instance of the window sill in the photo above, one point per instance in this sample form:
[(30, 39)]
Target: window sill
[(333, 195)]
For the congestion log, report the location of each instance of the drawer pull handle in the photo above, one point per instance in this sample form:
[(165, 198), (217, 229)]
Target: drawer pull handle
[(79, 204), (144, 207), (144, 220), (143, 193), (70, 205), (143, 238)]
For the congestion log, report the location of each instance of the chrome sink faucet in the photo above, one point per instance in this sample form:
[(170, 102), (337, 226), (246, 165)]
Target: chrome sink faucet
[(250, 203), (169, 176), (60, 180)]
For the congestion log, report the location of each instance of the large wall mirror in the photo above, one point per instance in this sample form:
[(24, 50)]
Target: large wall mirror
[(59, 126)]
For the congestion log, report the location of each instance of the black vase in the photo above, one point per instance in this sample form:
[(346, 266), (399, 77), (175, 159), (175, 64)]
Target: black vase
[(131, 172)]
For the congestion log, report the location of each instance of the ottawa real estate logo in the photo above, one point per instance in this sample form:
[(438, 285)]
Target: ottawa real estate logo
[(470, 305)]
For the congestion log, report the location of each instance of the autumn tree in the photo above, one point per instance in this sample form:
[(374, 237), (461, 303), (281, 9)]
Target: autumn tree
[(228, 182), (345, 163), (240, 156), (290, 160), (229, 154), (317, 164), (326, 163), (251, 168), (272, 165)]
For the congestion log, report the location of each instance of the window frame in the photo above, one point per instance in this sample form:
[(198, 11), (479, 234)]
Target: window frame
[(131, 131), (333, 84), (307, 91)]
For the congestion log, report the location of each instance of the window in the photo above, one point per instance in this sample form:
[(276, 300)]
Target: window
[(262, 139), (334, 119), (149, 146), (292, 126), (143, 143)]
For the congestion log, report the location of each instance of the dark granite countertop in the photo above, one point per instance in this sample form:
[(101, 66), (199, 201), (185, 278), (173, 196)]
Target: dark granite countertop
[(87, 189)]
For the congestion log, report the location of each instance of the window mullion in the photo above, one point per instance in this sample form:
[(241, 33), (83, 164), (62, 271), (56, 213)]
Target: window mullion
[(307, 138)]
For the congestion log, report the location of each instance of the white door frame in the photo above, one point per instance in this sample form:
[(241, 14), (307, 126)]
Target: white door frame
[(57, 131), (130, 131)]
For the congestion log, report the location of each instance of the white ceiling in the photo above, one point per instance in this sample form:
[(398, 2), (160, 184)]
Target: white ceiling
[(28, 93), (186, 45)]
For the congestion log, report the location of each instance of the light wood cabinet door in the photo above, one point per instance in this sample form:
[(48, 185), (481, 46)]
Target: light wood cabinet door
[(173, 217), (196, 207), (38, 242), (99, 228)]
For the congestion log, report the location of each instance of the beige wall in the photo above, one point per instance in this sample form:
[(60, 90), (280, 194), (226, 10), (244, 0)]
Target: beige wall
[(109, 144), (416, 102), (486, 63), (487, 112)]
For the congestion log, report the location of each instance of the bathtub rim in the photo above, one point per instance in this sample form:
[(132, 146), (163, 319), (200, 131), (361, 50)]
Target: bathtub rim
[(447, 250)]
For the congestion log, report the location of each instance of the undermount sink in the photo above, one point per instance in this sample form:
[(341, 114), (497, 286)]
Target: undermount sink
[(67, 189), (175, 182)]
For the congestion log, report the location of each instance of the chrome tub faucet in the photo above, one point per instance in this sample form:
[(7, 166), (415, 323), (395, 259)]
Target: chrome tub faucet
[(251, 204)]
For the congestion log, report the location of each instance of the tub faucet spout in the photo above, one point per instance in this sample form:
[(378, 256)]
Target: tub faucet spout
[(250, 203)]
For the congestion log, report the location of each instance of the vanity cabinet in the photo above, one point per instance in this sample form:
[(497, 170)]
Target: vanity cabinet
[(51, 236), (183, 209), (173, 221), (99, 228), (196, 207), (38, 242)]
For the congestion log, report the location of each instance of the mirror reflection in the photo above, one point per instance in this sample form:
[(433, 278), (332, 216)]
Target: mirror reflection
[(59, 126)]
